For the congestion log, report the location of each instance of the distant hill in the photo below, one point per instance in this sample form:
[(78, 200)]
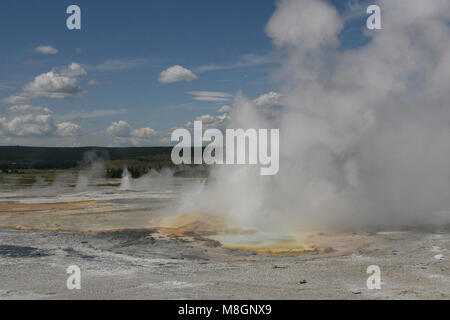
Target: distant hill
[(18, 157)]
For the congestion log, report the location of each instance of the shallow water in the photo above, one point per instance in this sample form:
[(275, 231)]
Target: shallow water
[(61, 186), (53, 201)]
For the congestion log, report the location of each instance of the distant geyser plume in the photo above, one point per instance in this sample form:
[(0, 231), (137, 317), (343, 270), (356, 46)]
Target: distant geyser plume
[(125, 183), (364, 132), (93, 168)]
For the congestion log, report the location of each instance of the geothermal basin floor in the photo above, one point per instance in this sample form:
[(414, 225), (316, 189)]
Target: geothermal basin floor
[(145, 264)]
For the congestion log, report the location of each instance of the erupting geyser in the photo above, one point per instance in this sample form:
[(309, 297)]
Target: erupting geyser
[(364, 132), (125, 183)]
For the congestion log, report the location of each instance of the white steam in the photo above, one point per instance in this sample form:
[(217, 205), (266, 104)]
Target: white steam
[(125, 183), (364, 132), (95, 169)]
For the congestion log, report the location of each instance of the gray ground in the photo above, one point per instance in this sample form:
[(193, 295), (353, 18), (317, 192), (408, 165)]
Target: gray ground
[(141, 265)]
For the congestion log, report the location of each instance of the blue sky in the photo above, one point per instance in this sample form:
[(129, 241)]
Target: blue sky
[(122, 48)]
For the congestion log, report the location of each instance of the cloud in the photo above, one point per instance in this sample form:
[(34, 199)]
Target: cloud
[(307, 24), (94, 82), (46, 50), (28, 125), (15, 99), (119, 128), (124, 135), (143, 132), (211, 122), (210, 95), (74, 70), (27, 109), (244, 61), (264, 102), (68, 129), (269, 100), (92, 114), (35, 121), (55, 84), (176, 74), (225, 109), (122, 129)]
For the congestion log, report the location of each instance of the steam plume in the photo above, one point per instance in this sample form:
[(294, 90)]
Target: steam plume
[(365, 132)]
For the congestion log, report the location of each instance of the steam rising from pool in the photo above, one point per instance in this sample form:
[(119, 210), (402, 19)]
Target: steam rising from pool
[(364, 132)]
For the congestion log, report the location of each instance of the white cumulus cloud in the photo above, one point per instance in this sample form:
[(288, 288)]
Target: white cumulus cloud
[(31, 121), (176, 74), (124, 135), (57, 84), (68, 129), (119, 128), (28, 125), (269, 100), (143, 132)]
